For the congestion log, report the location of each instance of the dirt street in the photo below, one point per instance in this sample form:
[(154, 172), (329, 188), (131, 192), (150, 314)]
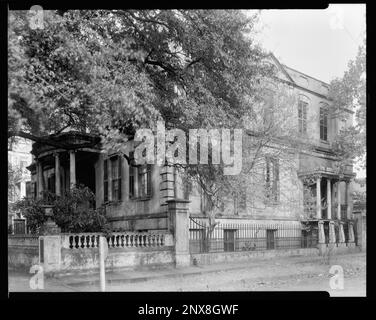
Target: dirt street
[(278, 274)]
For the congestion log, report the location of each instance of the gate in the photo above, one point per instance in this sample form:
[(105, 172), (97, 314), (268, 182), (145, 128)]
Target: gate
[(270, 244), (19, 226), (229, 239)]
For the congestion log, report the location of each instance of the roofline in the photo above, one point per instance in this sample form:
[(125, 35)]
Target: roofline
[(282, 67), (305, 74)]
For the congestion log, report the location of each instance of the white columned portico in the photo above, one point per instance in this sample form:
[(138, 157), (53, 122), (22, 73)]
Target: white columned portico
[(39, 178), (339, 200), (318, 197), (57, 174), (72, 168), (329, 198), (348, 196)]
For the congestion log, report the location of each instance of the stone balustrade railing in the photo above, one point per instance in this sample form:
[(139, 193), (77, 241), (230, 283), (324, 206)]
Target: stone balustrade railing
[(118, 240)]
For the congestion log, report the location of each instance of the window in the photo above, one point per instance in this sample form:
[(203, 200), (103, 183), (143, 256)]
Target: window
[(35, 191), (302, 116), (116, 178), (324, 124), (268, 108), (29, 191), (240, 202), (272, 179), (187, 189), (144, 181), (131, 182), (105, 180)]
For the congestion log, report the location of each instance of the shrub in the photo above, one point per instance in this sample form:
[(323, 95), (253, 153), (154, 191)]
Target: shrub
[(72, 212)]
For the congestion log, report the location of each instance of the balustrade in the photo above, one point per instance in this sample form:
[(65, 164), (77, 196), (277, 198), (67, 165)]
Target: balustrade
[(117, 240)]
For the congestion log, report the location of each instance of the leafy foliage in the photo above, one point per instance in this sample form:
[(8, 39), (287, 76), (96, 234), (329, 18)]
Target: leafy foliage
[(349, 92), (111, 72), (71, 212)]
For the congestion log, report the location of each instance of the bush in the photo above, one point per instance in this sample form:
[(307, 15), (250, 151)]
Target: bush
[(72, 211)]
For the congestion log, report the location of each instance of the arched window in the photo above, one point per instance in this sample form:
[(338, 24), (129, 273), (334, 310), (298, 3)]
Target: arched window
[(302, 113)]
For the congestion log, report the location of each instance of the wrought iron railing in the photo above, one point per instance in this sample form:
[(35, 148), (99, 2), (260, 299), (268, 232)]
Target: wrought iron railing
[(248, 237)]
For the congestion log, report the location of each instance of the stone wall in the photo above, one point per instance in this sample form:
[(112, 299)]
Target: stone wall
[(23, 252), (87, 259), (233, 257)]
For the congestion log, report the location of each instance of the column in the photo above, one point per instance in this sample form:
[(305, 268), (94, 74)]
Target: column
[(72, 168), (57, 175), (321, 232), (22, 189), (318, 197), (332, 233), (348, 196), (351, 232), (329, 198), (39, 179), (341, 233), (178, 223), (339, 200)]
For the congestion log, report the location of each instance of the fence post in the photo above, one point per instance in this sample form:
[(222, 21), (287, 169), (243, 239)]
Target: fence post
[(50, 252), (179, 217), (103, 252)]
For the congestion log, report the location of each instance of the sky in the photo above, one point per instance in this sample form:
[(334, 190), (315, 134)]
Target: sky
[(319, 43)]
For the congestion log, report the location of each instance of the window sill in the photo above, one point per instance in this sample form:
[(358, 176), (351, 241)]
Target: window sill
[(112, 203), (146, 198)]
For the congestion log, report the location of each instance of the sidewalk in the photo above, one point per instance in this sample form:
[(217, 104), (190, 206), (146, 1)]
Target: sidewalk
[(125, 278)]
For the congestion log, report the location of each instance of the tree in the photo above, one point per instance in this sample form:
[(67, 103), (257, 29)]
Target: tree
[(188, 67), (14, 176), (112, 72), (349, 93)]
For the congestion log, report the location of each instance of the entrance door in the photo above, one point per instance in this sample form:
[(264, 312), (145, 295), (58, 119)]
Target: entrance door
[(229, 240), (270, 243)]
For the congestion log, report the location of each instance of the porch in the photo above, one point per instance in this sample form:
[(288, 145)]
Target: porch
[(67, 162), (326, 194)]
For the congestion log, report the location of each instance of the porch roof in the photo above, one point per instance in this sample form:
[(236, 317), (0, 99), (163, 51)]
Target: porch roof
[(71, 140), (327, 172)]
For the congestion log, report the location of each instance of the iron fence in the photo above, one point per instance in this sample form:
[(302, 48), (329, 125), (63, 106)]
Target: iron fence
[(248, 237)]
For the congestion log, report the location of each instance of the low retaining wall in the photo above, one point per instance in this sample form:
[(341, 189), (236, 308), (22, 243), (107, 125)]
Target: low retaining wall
[(239, 256), (22, 258), (67, 253), (23, 252), (87, 259), (338, 248)]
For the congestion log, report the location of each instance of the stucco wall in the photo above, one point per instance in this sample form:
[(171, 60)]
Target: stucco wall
[(231, 257), (22, 258), (88, 258)]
